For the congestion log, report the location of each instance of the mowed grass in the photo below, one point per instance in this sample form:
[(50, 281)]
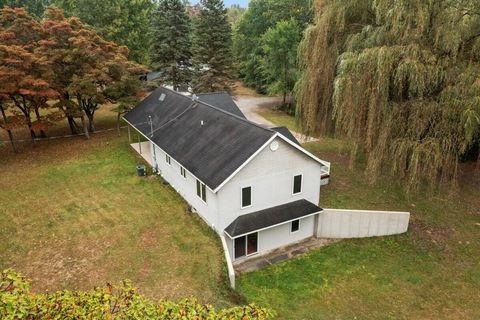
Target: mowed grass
[(280, 118), (74, 215), (432, 272)]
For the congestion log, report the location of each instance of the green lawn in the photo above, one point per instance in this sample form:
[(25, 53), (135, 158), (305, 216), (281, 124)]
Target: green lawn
[(74, 215), (432, 272), (280, 118)]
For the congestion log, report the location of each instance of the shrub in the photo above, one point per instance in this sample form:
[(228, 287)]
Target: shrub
[(110, 302)]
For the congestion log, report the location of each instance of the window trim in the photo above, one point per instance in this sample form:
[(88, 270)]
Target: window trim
[(301, 184), (291, 226), (183, 172), (201, 191), (168, 159), (241, 197)]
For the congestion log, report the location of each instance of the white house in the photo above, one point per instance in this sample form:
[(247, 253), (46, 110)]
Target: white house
[(255, 186)]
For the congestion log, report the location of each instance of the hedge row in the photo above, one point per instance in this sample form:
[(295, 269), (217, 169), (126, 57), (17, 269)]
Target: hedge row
[(110, 302)]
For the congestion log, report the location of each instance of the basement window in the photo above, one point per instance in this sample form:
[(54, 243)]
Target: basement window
[(297, 184), (201, 191), (168, 159), (246, 197)]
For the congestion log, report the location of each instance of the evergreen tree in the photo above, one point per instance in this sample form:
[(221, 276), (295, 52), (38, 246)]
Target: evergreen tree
[(170, 52), (211, 48)]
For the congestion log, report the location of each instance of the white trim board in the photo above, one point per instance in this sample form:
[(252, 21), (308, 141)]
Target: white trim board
[(324, 163), (275, 135), (272, 226)]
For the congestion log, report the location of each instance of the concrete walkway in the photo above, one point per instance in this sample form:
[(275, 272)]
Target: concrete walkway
[(281, 254), (251, 106)]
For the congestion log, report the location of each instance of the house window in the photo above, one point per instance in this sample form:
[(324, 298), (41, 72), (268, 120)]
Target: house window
[(297, 184), (246, 197), (168, 159), (246, 245), (202, 191), (183, 172), (295, 226)]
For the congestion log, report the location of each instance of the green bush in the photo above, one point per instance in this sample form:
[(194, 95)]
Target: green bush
[(110, 302)]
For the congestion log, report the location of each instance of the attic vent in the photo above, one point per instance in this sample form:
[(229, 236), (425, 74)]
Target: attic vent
[(162, 97), (274, 146)]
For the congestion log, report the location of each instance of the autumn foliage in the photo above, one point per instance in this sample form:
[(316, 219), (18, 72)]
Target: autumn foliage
[(108, 302), (60, 66)]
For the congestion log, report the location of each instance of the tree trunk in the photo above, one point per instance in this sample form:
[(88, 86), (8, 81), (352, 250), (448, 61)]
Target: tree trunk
[(91, 124), (477, 166), (42, 133), (118, 123), (85, 127), (10, 135), (32, 132), (72, 124)]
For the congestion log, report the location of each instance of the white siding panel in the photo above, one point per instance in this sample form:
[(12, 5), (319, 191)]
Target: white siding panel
[(187, 188), (280, 236), (270, 174)]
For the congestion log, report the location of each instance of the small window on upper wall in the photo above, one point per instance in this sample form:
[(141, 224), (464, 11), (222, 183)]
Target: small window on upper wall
[(202, 191), (168, 159), (297, 184), (295, 226), (246, 197), (183, 172)]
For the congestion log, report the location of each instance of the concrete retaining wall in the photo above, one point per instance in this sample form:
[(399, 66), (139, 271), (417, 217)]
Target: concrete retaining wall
[(231, 271), (335, 223)]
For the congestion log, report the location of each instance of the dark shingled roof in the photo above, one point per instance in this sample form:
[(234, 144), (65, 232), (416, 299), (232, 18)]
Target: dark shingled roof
[(212, 151), (221, 100), (287, 134), (269, 217)]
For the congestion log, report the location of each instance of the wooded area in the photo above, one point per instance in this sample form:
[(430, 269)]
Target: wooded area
[(400, 79), (59, 68)]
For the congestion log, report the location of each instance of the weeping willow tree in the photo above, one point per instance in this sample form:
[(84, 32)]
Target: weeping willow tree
[(400, 79)]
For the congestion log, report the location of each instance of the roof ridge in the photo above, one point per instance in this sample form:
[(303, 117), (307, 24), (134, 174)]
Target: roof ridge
[(223, 111), (214, 92), (235, 116)]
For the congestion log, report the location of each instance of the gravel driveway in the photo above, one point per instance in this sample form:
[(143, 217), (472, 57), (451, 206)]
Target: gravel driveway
[(251, 105)]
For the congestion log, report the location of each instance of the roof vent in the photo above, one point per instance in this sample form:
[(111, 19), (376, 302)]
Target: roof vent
[(194, 97), (162, 97), (201, 122)]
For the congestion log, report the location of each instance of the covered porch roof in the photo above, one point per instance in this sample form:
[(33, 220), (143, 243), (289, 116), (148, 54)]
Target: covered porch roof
[(271, 217)]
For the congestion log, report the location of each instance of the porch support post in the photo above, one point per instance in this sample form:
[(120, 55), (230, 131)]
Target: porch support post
[(139, 144)]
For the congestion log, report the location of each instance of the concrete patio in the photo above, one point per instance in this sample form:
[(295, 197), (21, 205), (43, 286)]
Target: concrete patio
[(281, 254)]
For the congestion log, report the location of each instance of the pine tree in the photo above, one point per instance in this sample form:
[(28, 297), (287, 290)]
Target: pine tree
[(211, 48), (170, 52)]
